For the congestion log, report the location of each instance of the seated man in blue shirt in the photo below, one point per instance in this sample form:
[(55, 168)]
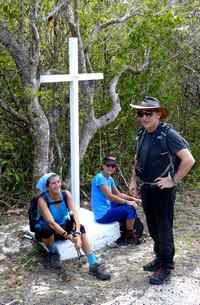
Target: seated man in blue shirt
[(109, 204)]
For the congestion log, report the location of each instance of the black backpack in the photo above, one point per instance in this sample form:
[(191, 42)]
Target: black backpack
[(32, 211)]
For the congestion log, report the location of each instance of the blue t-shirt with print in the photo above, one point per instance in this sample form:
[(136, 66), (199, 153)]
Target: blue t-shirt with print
[(99, 202)]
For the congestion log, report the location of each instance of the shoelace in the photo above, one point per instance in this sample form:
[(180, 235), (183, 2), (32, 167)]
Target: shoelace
[(101, 267)]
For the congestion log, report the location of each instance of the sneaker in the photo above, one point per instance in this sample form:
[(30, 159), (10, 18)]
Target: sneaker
[(152, 266), (98, 270), (160, 276)]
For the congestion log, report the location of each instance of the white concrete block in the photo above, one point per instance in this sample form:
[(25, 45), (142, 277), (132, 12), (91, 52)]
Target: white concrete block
[(99, 235)]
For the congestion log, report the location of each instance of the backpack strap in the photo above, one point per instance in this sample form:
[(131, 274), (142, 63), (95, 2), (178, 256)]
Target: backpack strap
[(139, 139), (45, 197), (64, 194), (162, 136)]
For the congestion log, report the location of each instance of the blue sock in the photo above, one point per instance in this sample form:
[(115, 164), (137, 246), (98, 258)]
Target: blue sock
[(91, 259)]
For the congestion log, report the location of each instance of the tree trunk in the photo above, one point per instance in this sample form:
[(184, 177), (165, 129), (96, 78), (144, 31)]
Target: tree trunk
[(40, 135)]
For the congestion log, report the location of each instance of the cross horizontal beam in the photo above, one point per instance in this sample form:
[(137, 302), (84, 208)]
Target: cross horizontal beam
[(68, 78)]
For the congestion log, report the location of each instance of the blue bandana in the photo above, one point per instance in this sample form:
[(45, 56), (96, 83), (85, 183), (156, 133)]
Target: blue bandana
[(41, 184)]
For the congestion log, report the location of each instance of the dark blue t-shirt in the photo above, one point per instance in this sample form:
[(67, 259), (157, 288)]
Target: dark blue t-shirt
[(154, 159)]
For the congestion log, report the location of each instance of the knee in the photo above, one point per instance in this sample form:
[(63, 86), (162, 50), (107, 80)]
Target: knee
[(131, 211), (45, 233)]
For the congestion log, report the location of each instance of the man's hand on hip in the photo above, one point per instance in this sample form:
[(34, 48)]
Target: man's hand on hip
[(165, 182)]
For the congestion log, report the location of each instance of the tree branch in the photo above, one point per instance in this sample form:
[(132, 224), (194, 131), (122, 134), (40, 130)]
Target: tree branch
[(99, 27), (35, 47), (191, 69), (12, 112), (17, 50), (93, 124), (56, 9)]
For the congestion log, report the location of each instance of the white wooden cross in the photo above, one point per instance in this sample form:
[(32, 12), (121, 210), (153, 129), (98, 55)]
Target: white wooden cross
[(73, 77)]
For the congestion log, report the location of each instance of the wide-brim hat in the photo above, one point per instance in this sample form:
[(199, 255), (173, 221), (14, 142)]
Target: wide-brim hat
[(151, 104)]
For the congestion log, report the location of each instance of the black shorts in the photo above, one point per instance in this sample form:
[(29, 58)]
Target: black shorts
[(45, 232)]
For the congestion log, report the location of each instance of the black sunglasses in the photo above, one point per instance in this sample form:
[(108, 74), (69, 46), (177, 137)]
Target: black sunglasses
[(140, 114), (111, 165)]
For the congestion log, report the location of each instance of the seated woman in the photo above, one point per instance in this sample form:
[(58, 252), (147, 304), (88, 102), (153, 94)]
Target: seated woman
[(109, 204), (59, 220)]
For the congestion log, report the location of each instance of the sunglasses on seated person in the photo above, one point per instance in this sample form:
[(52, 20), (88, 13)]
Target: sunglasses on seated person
[(149, 114), (111, 165)]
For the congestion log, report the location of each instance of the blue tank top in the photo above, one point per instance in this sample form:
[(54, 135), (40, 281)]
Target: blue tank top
[(59, 211)]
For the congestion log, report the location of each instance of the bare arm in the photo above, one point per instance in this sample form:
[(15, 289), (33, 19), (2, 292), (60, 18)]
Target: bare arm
[(72, 209), (115, 191), (133, 186), (113, 197), (75, 239), (187, 161)]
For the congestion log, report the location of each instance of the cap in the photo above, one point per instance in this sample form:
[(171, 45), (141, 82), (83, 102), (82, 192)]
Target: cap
[(110, 160)]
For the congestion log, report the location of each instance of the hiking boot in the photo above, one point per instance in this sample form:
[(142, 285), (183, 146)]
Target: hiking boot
[(152, 266), (160, 276), (131, 238), (53, 260), (98, 270), (137, 240), (122, 241)]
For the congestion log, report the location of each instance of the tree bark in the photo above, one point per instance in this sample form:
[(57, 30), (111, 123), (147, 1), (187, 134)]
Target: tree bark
[(27, 62)]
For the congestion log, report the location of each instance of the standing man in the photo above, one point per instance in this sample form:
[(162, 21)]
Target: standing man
[(162, 160)]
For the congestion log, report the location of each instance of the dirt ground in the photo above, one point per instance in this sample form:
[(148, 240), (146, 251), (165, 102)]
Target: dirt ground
[(25, 281)]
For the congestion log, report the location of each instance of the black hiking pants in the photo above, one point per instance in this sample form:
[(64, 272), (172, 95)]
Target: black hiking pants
[(158, 207)]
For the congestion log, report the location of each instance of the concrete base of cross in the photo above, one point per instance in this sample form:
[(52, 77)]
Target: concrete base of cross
[(99, 235)]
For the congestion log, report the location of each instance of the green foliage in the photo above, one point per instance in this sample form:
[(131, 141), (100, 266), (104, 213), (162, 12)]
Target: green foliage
[(17, 163), (165, 32), (160, 34)]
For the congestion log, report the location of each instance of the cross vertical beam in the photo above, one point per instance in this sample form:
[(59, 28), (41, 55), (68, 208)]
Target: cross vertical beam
[(74, 122), (73, 77)]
